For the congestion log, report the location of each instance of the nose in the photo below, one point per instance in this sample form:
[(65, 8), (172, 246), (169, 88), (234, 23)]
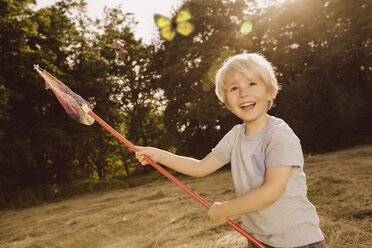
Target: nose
[(245, 91)]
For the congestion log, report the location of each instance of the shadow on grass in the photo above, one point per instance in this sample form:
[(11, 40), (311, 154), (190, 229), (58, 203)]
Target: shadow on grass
[(40, 194)]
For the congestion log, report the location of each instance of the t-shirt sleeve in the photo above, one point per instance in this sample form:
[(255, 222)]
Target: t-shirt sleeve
[(223, 149), (284, 149)]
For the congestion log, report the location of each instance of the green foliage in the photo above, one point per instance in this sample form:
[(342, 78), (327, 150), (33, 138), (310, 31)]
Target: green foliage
[(326, 89)]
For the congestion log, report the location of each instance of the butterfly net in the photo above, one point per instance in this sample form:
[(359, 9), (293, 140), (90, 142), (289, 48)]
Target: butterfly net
[(71, 102), (77, 108)]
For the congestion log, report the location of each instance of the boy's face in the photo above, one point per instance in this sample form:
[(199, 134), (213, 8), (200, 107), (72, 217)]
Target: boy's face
[(247, 98)]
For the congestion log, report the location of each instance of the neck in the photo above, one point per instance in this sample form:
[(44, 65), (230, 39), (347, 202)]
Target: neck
[(256, 126)]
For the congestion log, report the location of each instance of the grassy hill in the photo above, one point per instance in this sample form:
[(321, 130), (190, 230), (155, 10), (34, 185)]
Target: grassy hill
[(160, 214)]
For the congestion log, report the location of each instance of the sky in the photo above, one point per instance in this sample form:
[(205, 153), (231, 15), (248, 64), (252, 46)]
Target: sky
[(143, 11)]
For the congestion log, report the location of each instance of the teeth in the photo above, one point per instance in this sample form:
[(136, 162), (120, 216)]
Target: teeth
[(246, 104)]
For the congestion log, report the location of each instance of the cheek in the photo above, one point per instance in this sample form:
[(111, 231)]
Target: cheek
[(229, 101), (266, 95), (270, 94)]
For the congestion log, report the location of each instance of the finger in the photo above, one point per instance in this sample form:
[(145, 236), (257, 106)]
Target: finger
[(142, 160), (139, 158), (139, 154)]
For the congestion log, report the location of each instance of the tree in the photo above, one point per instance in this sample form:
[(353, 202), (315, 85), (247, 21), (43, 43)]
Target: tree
[(324, 71), (22, 42)]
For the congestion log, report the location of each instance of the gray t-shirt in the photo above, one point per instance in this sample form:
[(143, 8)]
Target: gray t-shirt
[(290, 221)]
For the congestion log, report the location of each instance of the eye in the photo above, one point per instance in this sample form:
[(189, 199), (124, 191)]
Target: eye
[(234, 88), (252, 83)]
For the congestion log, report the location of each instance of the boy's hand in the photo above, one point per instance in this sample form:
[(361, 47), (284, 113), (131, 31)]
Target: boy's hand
[(217, 214), (150, 152)]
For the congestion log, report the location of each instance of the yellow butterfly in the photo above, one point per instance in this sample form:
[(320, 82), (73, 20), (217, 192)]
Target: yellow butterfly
[(168, 29), (122, 52)]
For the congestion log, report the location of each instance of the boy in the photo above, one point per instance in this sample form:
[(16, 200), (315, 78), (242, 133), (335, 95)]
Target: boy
[(266, 160)]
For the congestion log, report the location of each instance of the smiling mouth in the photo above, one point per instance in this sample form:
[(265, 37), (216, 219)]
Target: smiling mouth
[(247, 106)]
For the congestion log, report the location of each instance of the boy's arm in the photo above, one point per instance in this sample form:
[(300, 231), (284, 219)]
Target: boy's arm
[(185, 165), (275, 182)]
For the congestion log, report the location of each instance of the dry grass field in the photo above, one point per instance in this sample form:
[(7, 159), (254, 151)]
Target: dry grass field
[(160, 214)]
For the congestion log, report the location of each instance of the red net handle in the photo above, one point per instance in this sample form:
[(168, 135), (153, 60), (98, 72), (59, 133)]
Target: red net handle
[(169, 176)]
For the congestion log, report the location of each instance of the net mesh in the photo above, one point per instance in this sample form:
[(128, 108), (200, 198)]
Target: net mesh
[(71, 102)]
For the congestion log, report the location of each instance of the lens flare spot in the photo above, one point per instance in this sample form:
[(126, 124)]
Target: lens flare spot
[(246, 27)]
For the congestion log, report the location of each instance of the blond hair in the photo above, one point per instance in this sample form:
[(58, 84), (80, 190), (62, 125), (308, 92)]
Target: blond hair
[(250, 65)]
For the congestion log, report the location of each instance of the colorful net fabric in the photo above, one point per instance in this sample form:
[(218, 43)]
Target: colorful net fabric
[(71, 102)]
